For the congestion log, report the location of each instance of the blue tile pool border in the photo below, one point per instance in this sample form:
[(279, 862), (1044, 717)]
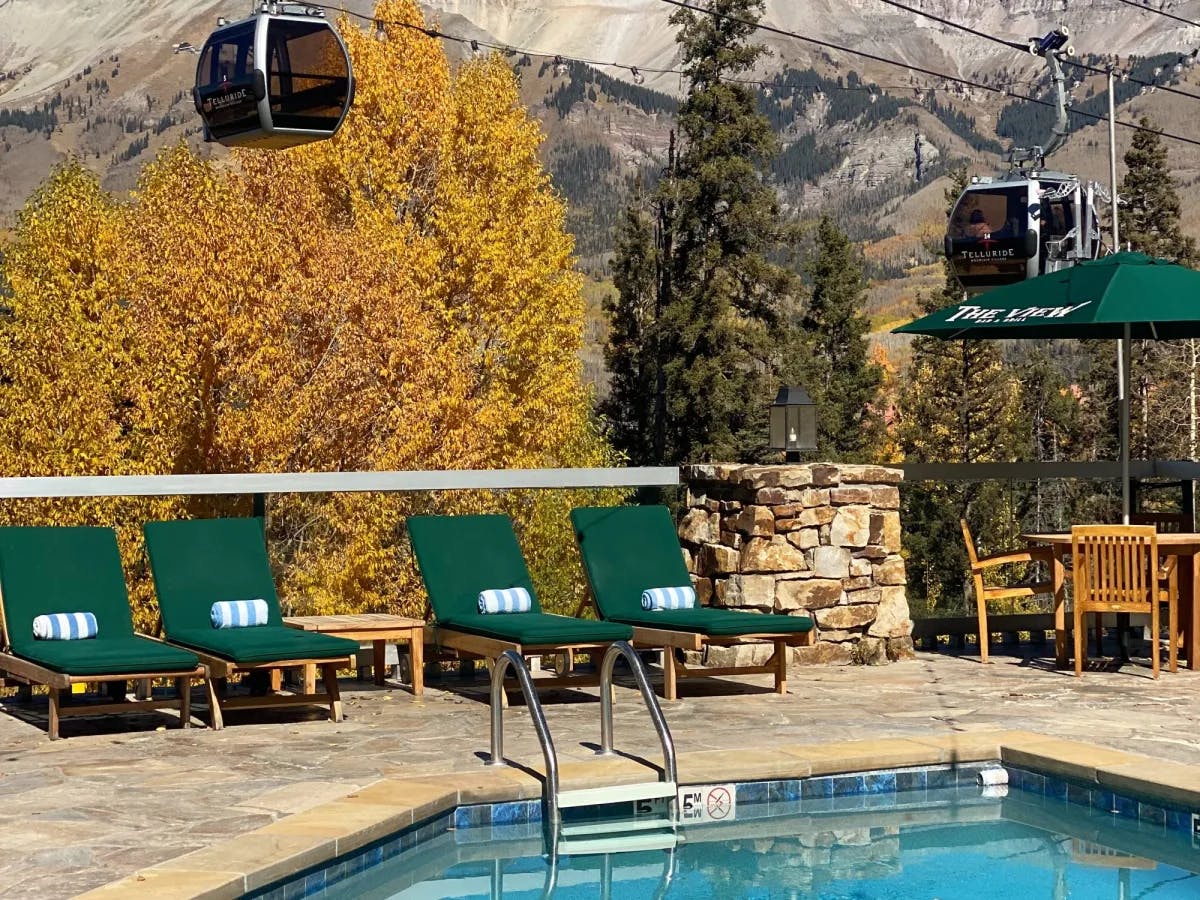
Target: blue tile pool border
[(1149, 813), (308, 882), (851, 791), (845, 792)]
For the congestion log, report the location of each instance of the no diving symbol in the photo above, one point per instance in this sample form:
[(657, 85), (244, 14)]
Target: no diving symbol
[(719, 803)]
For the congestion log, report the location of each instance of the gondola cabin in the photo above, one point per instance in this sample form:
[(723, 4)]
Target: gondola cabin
[(277, 79), (1020, 225)]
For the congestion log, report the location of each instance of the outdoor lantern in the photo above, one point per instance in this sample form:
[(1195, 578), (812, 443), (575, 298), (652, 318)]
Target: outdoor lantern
[(793, 422)]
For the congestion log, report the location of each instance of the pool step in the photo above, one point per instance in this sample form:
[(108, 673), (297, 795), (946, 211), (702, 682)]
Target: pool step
[(618, 843), (608, 826), (617, 793)]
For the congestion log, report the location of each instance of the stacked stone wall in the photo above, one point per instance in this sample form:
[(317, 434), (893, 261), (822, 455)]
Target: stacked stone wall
[(820, 540)]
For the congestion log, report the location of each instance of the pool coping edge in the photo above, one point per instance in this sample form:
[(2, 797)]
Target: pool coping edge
[(230, 868)]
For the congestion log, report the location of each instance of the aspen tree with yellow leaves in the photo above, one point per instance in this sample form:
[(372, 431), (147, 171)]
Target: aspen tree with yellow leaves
[(399, 297)]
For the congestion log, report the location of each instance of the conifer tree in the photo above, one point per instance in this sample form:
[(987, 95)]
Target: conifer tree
[(1149, 201), (836, 367), (630, 352), (1163, 397), (721, 298)]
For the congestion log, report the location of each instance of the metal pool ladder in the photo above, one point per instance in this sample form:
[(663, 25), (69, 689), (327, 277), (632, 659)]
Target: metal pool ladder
[(629, 832)]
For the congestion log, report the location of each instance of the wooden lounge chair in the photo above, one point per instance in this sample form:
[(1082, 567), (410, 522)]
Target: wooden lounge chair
[(628, 549), (78, 569), (460, 556), (198, 562)]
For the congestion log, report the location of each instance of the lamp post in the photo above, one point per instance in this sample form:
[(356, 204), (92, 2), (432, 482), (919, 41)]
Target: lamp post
[(793, 427)]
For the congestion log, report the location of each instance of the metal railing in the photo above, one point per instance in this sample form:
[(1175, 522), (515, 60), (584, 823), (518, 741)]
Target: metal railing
[(618, 649), (550, 788), (333, 482), (1034, 471)]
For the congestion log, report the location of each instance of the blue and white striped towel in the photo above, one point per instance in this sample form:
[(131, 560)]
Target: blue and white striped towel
[(65, 626), (669, 598), (239, 613), (505, 600)]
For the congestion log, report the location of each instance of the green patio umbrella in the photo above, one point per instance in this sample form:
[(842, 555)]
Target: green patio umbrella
[(1122, 296)]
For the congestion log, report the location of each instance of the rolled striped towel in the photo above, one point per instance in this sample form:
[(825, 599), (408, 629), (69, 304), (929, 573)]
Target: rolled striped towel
[(239, 613), (669, 598), (505, 600), (65, 626)]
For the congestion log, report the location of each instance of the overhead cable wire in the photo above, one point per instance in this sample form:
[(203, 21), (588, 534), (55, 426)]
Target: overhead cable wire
[(1160, 12), (565, 58), (782, 32), (475, 43), (1023, 47)]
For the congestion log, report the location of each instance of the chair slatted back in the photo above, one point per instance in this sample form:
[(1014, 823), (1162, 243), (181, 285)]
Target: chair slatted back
[(972, 555), (1164, 523), (1116, 567)]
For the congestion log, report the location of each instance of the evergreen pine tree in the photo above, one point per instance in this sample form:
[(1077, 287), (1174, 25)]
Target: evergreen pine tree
[(1054, 429), (1150, 203), (630, 351), (836, 367), (722, 299), (1163, 396)]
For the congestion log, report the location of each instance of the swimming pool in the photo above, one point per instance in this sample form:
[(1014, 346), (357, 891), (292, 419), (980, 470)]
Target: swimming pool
[(927, 832)]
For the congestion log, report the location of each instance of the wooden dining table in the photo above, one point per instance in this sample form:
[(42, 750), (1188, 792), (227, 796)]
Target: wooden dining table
[(1183, 547)]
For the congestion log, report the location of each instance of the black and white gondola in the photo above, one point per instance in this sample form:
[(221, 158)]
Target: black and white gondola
[(279, 78)]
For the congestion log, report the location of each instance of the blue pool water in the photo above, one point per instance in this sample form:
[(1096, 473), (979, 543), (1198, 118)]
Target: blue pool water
[(1044, 839)]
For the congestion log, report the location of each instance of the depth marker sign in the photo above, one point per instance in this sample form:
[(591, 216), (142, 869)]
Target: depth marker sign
[(708, 803)]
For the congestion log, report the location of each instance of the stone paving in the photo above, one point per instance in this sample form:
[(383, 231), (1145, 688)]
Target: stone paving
[(117, 794)]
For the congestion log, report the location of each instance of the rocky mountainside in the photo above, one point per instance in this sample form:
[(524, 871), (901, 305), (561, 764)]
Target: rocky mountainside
[(105, 81), (44, 41)]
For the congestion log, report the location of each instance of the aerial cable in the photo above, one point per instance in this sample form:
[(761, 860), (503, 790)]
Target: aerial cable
[(771, 29), (1024, 46), (1014, 45), (560, 59), (1161, 12)]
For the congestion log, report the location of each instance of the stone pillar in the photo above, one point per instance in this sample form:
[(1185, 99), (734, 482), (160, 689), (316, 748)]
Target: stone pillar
[(819, 540)]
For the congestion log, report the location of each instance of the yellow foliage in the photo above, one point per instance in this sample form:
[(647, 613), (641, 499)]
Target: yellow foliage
[(400, 297)]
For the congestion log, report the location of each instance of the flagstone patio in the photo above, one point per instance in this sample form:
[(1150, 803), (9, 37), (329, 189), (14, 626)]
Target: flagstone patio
[(118, 795)]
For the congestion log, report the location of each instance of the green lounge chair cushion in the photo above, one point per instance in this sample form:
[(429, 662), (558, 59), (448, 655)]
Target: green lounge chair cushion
[(627, 549), (714, 622), (265, 643), (56, 569), (59, 570), (132, 655), (196, 562), (459, 556), (533, 629)]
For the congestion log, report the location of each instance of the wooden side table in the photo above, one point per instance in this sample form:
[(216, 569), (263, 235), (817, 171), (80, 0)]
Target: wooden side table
[(379, 629)]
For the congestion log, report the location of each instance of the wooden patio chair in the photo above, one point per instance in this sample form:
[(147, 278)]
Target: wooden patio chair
[(1168, 570), (1010, 590), (1116, 570)]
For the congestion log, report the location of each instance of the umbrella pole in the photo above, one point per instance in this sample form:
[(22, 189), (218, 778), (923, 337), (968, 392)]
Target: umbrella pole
[(1123, 353), (1123, 349)]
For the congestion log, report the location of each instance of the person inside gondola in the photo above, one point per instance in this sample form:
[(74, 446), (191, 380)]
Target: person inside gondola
[(978, 226)]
